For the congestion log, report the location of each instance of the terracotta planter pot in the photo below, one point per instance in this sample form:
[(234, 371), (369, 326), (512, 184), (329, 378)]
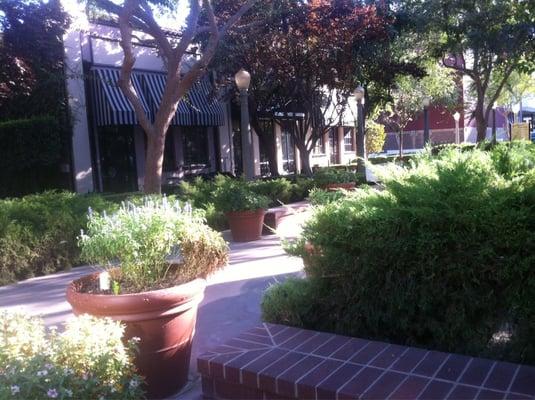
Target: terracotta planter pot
[(246, 226), (164, 320), (344, 185)]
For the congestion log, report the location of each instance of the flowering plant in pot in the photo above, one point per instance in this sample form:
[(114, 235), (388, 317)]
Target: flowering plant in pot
[(156, 255), (244, 209), (333, 178)]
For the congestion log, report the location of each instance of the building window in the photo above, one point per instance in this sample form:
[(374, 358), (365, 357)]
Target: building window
[(288, 150), (195, 147), (169, 158), (319, 148), (348, 139)]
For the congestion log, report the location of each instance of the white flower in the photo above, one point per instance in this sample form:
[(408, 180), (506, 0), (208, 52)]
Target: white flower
[(68, 371), (42, 373), (49, 366), (84, 376), (15, 389), (68, 392), (134, 383), (136, 339), (52, 393)]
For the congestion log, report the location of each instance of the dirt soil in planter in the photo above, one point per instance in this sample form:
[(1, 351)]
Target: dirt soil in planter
[(91, 284)]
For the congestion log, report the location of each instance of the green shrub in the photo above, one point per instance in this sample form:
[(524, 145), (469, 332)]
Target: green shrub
[(238, 195), (146, 240), (88, 360), (292, 303), (442, 258), (375, 136), (325, 176), (319, 196), (279, 191), (32, 143), (38, 232)]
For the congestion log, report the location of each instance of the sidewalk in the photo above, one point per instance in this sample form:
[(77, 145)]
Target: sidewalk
[(230, 306)]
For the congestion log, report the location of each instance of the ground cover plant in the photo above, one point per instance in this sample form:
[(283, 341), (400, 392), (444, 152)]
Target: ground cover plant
[(87, 360), (442, 258)]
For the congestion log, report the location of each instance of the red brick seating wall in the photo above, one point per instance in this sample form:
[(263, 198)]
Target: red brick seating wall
[(279, 362)]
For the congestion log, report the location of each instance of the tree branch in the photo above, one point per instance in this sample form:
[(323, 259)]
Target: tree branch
[(125, 77)]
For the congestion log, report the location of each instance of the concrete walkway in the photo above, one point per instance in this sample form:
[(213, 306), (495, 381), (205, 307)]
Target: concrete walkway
[(230, 306)]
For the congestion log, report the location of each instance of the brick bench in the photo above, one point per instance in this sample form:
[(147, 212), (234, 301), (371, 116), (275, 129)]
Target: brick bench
[(274, 216), (279, 362)]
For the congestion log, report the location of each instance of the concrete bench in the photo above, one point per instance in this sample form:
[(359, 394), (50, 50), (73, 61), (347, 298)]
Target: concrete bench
[(279, 362), (274, 216)]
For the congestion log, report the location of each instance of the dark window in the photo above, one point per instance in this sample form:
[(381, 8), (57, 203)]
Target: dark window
[(348, 139), (169, 159), (117, 158), (288, 150), (319, 148), (195, 146), (333, 144)]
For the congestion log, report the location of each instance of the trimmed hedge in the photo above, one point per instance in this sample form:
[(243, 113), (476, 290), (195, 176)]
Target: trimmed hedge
[(443, 258), (38, 233)]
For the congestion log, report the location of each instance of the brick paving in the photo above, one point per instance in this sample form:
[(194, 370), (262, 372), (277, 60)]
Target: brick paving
[(278, 362)]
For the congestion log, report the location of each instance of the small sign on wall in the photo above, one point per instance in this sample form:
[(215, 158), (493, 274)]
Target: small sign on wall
[(520, 131)]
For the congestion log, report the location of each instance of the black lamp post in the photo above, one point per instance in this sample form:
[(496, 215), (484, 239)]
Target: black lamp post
[(426, 101), (361, 142), (243, 80)]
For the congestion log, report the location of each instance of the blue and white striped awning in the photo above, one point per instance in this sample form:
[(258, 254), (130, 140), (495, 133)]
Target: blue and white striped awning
[(111, 107), (206, 109), (156, 86)]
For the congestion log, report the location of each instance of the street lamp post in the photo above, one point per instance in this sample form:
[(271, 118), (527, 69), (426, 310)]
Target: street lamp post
[(515, 109), (243, 80), (361, 142), (425, 103), (494, 123), (456, 117)]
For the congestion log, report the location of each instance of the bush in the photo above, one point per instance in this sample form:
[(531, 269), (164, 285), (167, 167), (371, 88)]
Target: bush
[(279, 190), (442, 258), (87, 360), (159, 243), (375, 136), (319, 196), (238, 195), (325, 176), (38, 232)]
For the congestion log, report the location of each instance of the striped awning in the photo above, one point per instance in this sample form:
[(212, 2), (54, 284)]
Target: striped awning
[(111, 106), (198, 108), (155, 87), (206, 110)]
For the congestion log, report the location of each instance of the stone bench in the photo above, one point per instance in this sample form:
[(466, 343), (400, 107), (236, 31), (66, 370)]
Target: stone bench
[(279, 362), (275, 215)]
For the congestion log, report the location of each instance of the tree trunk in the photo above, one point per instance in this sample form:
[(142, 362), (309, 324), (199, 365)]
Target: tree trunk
[(481, 121), (152, 183), (304, 156)]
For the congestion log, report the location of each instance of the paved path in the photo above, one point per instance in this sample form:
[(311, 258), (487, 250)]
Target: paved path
[(230, 306)]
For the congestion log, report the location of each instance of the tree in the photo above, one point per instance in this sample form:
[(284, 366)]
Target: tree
[(439, 85), (304, 62), (32, 75), (485, 40), (202, 19)]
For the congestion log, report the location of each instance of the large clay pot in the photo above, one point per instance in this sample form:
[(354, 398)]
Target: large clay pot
[(343, 185), (246, 226), (163, 319)]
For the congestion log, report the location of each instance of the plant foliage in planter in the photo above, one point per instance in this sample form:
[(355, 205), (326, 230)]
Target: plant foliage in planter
[(157, 244), (87, 361), (238, 195)]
